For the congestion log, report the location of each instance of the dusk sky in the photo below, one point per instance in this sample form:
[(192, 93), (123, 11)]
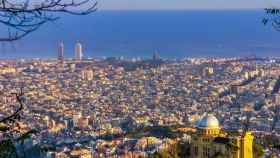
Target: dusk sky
[(185, 4)]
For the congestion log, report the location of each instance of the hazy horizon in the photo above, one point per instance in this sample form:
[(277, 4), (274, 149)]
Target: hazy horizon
[(174, 34)]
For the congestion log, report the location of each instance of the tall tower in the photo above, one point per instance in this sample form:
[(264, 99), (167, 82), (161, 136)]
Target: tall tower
[(60, 56), (156, 56), (78, 51)]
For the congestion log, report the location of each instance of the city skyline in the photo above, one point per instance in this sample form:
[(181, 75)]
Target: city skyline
[(175, 34)]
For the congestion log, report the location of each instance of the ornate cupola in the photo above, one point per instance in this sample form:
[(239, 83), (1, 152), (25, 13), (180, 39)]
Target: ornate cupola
[(208, 125)]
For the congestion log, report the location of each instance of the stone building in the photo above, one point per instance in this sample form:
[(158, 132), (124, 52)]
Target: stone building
[(210, 141)]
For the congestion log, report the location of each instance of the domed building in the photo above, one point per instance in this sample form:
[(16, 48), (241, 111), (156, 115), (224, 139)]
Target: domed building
[(209, 125), (210, 141)]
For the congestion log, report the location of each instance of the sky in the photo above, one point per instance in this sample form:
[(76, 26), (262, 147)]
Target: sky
[(185, 4)]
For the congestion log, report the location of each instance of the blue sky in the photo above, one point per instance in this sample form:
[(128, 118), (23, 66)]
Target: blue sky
[(185, 4)]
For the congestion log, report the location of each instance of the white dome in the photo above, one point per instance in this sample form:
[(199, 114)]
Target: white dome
[(208, 121)]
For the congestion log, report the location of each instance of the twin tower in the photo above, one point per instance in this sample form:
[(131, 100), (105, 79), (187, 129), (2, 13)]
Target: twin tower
[(78, 51)]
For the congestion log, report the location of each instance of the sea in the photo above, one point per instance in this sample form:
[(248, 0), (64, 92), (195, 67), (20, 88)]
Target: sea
[(138, 34)]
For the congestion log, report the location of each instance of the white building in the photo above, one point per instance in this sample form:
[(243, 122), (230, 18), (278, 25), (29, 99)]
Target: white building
[(78, 51), (61, 51)]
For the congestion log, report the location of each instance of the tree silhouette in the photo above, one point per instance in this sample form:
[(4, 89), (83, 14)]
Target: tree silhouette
[(16, 115), (272, 17), (7, 144), (22, 17)]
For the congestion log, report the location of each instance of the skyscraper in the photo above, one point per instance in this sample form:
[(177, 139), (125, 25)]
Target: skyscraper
[(156, 56), (78, 51), (61, 52)]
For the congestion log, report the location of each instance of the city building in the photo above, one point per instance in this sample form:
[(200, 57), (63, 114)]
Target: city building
[(207, 71), (87, 74), (78, 51), (61, 52), (211, 141), (156, 56), (72, 67)]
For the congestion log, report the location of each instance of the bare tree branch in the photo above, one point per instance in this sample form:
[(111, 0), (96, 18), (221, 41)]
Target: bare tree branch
[(272, 17), (14, 116), (22, 17)]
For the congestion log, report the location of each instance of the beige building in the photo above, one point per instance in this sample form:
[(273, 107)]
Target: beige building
[(210, 142)]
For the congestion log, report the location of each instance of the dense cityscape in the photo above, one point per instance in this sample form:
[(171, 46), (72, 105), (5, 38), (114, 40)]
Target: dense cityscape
[(117, 107), (139, 79)]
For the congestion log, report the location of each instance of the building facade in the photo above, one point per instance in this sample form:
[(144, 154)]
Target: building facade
[(60, 55), (210, 141), (78, 51)]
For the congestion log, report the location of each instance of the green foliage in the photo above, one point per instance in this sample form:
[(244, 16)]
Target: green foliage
[(163, 154), (156, 131), (258, 150), (231, 146), (179, 150), (219, 155), (270, 140), (8, 149), (7, 146), (33, 152), (26, 136), (272, 156)]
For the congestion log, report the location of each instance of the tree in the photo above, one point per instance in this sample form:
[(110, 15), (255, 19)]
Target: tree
[(272, 17), (258, 150), (178, 150), (22, 17), (7, 144)]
